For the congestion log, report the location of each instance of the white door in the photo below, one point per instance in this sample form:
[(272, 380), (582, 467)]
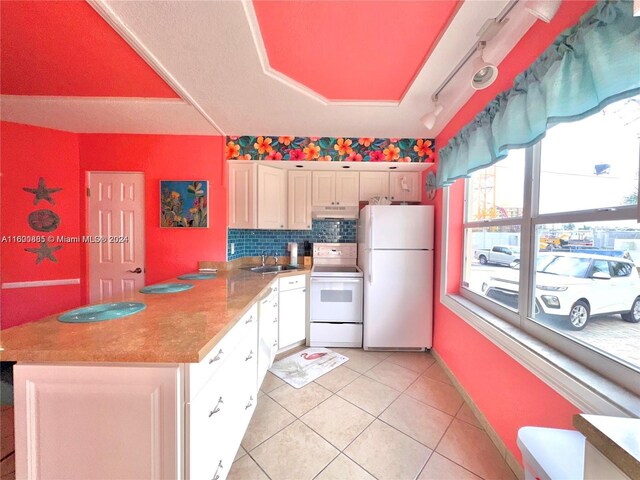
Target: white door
[(347, 189), (398, 299), (324, 189), (242, 196), (272, 198), (292, 317), (299, 200), (116, 218)]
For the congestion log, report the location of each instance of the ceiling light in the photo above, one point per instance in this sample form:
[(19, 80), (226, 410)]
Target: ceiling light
[(429, 120), (542, 9), (484, 73)]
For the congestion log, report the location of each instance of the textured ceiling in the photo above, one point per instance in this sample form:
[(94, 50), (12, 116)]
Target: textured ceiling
[(65, 48), (352, 50), (360, 68)]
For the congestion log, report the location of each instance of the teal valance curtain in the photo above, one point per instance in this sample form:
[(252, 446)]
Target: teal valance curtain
[(590, 65)]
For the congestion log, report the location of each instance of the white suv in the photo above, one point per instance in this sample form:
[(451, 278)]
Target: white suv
[(573, 287)]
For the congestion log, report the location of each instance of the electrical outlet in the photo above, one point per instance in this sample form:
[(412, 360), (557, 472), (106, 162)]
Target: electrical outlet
[(233, 248)]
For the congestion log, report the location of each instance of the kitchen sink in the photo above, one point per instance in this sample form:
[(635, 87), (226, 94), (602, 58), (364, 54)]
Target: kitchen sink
[(270, 268)]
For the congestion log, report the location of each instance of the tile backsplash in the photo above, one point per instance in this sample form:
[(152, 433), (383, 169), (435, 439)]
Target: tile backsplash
[(248, 243)]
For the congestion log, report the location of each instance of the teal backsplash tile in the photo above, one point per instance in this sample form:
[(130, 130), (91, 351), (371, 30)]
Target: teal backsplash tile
[(248, 243)]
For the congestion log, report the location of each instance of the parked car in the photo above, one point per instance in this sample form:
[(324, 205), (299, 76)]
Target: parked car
[(572, 287), (498, 254)]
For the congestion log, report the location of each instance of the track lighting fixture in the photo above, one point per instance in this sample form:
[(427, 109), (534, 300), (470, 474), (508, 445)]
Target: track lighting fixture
[(484, 73), (429, 120), (542, 9)]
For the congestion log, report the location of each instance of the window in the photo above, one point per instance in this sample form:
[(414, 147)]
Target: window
[(552, 240)]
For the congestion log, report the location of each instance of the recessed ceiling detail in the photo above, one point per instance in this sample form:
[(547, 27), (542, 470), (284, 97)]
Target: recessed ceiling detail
[(65, 48), (352, 50), (330, 149)]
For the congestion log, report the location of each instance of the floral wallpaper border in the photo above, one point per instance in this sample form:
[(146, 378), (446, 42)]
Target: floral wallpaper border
[(330, 149)]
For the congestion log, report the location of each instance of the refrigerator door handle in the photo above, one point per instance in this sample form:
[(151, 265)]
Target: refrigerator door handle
[(371, 248)]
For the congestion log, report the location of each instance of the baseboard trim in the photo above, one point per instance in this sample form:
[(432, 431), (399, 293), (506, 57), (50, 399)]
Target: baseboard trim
[(511, 460)]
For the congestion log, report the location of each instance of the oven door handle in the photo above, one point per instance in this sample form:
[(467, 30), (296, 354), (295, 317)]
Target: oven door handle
[(335, 280)]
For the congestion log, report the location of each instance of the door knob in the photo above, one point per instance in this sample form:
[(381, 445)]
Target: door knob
[(137, 270)]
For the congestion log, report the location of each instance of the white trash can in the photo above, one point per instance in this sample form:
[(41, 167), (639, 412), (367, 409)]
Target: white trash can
[(551, 453)]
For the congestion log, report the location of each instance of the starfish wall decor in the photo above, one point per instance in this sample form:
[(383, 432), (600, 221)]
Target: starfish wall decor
[(42, 192), (45, 251)]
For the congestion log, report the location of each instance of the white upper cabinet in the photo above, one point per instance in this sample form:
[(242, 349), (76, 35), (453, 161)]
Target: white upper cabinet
[(335, 188), (299, 200), (324, 188), (373, 184), (272, 198), (405, 186), (347, 188), (242, 195)]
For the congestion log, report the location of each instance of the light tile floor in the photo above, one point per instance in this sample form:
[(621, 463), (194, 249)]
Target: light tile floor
[(380, 416)]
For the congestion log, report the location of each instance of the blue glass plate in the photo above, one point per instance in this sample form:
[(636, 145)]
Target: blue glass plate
[(103, 311), (167, 288), (197, 276)]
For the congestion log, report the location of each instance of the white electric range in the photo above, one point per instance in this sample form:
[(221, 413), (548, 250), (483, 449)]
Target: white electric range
[(336, 296)]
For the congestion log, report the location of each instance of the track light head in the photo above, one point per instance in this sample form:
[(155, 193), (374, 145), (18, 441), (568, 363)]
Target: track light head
[(545, 10), (484, 73), (429, 119)]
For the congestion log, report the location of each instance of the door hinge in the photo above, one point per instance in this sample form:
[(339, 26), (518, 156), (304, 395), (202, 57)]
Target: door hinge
[(88, 192)]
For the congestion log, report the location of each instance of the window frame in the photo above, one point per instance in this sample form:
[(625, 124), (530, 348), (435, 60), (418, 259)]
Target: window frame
[(608, 371)]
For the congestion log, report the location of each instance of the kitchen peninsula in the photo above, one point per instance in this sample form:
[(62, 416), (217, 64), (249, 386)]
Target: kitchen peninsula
[(146, 395)]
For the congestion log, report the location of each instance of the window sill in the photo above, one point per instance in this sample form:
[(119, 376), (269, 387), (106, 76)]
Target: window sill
[(585, 389)]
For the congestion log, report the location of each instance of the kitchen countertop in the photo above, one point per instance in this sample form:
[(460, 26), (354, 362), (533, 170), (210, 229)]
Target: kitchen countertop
[(174, 328), (617, 438)]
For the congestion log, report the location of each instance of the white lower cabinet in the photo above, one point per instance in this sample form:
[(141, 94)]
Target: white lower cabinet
[(292, 318), (173, 421), (220, 412), (267, 332), (97, 421)]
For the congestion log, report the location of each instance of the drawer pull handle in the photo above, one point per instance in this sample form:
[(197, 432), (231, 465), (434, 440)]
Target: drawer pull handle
[(215, 475), (249, 320), (275, 320), (216, 409), (249, 357), (216, 358), (250, 404), (275, 305), (275, 344), (304, 289)]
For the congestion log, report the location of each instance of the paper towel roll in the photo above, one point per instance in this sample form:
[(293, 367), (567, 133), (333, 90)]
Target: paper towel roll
[(293, 249)]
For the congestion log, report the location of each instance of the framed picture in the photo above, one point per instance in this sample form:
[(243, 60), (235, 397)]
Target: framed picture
[(184, 203)]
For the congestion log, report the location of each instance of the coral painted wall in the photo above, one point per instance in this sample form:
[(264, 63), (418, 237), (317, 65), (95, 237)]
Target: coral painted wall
[(169, 251), (508, 394), (28, 153), (62, 159)]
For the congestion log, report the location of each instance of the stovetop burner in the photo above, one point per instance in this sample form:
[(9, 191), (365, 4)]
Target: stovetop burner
[(335, 260)]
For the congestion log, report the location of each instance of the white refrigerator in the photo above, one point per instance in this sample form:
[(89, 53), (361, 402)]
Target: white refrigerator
[(395, 253)]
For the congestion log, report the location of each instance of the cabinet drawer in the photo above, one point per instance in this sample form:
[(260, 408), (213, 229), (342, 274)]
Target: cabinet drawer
[(335, 334), (219, 414), (289, 283), (208, 418), (200, 372)]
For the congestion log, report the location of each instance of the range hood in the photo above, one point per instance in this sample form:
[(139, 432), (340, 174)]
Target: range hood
[(335, 212)]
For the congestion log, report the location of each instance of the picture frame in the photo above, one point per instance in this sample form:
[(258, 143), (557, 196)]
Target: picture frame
[(184, 204)]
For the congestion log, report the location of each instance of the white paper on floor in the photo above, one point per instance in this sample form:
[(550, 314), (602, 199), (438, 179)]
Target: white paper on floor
[(305, 366)]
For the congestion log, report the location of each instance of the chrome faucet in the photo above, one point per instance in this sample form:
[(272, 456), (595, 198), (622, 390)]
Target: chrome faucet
[(263, 258), (275, 258)]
